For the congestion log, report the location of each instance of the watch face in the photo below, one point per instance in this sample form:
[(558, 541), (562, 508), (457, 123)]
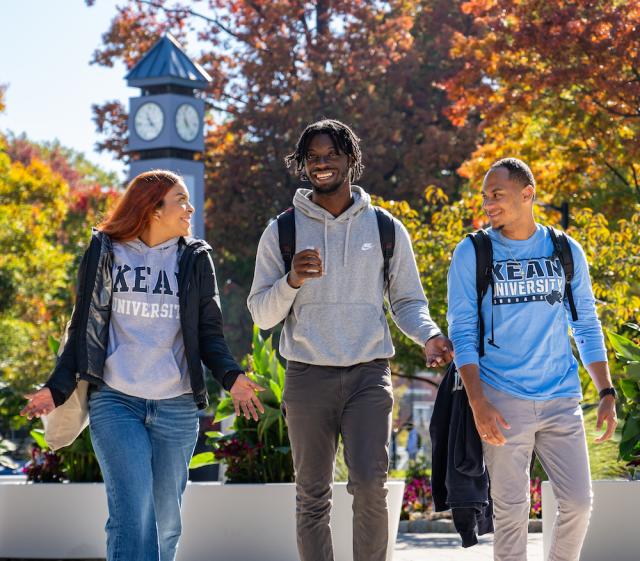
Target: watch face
[(149, 120), (187, 122)]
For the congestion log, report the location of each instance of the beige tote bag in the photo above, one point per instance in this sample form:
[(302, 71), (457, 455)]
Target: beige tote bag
[(65, 423)]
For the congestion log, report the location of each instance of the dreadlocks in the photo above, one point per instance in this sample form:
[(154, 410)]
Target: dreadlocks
[(344, 139)]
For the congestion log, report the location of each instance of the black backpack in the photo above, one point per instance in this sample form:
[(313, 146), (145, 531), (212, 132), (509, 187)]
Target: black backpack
[(484, 274), (287, 236)]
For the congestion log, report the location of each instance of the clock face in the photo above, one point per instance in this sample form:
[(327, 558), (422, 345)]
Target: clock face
[(187, 122), (149, 120)]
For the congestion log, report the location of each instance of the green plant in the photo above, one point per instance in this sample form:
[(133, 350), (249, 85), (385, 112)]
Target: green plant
[(255, 452), (628, 384)]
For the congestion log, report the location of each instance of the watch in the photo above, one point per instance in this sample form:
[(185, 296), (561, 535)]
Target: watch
[(148, 120), (609, 391)]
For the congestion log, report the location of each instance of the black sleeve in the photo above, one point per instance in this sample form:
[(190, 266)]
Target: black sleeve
[(62, 380), (214, 351)]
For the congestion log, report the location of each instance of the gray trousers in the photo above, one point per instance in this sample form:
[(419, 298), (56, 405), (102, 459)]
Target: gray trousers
[(323, 403), (555, 430)]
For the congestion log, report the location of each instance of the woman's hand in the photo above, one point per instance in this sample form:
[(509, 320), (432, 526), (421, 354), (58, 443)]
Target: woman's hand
[(243, 394), (40, 403)]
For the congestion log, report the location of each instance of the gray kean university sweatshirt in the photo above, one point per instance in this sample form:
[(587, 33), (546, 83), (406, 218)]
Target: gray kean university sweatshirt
[(145, 354), (339, 319)]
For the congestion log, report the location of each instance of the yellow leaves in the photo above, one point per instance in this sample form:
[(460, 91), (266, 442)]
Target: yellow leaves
[(434, 195)]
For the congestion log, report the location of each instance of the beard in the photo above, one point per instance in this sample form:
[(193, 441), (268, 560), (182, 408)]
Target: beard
[(329, 188)]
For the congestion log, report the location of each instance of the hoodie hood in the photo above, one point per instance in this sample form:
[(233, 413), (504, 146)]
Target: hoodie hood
[(303, 203)]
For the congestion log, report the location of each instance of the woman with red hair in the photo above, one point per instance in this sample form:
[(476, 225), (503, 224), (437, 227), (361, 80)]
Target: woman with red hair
[(147, 316)]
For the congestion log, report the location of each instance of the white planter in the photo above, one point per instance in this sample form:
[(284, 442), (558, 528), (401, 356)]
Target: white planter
[(220, 522), (613, 530)]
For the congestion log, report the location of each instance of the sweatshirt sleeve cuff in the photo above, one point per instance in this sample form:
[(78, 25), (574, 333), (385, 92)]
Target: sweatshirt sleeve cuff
[(427, 332), (464, 358), (230, 378), (57, 395), (285, 290), (595, 355)]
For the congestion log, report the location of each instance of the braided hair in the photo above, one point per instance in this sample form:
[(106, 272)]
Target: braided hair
[(344, 139)]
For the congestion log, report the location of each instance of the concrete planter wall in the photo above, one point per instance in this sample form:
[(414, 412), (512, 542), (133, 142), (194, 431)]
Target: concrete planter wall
[(613, 531), (220, 522)]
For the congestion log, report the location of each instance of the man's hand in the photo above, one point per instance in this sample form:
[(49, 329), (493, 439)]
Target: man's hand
[(607, 412), (243, 394), (40, 403), (306, 264), (487, 418), (438, 351)]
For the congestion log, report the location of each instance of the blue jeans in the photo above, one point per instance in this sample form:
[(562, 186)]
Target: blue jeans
[(144, 447)]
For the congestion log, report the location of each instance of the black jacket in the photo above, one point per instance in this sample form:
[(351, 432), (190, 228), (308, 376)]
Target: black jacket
[(459, 479), (85, 346)]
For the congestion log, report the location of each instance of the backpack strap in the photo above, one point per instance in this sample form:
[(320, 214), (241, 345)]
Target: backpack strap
[(287, 236), (484, 278), (387, 232), (562, 250)]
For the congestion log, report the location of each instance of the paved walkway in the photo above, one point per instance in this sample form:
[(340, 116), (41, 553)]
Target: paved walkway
[(446, 547)]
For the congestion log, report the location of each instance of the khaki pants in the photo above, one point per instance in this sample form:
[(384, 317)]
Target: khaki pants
[(555, 430), (323, 403)]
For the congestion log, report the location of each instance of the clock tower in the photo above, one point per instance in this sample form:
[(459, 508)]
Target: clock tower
[(165, 122)]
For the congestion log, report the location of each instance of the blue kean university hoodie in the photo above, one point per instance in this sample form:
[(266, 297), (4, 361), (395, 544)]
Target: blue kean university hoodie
[(145, 354), (339, 319)]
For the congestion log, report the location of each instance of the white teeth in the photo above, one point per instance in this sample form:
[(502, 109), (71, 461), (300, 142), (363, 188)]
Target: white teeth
[(324, 175)]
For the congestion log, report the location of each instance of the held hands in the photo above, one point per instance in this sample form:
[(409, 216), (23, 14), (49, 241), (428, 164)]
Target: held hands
[(39, 403), (606, 412), (243, 394), (487, 419), (306, 264), (438, 351)]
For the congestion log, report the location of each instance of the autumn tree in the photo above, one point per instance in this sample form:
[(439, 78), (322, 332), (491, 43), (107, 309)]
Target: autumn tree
[(559, 84), (50, 196), (280, 64)]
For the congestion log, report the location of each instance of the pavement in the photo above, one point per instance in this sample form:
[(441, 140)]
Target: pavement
[(446, 547)]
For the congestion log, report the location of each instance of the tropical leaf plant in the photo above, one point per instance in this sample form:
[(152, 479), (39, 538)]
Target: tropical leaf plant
[(254, 452), (628, 383)]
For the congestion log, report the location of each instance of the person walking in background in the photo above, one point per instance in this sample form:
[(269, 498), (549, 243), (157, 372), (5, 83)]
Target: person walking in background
[(335, 336), (414, 442), (147, 315), (522, 380)]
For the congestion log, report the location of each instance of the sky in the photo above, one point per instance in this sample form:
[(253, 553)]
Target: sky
[(45, 49)]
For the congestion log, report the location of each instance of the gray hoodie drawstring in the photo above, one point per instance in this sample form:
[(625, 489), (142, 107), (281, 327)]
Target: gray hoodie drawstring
[(326, 248), (345, 258)]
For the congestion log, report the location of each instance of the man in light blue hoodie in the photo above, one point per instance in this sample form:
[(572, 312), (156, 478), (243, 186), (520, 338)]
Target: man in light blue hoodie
[(524, 390), (336, 339)]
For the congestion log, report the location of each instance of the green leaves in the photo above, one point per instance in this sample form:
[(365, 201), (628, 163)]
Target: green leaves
[(624, 347), (254, 452), (628, 383), (201, 460)]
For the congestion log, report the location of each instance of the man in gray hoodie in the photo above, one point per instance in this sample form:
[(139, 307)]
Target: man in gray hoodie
[(336, 339)]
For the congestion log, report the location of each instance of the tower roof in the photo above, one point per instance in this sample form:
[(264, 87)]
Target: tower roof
[(167, 63)]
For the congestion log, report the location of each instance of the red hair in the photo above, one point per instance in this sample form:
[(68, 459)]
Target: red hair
[(144, 194)]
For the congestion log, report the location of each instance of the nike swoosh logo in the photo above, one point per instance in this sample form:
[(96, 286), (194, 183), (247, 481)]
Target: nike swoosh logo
[(366, 246)]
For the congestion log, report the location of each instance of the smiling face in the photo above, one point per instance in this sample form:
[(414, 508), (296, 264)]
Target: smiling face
[(506, 202), (173, 218), (325, 166)]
